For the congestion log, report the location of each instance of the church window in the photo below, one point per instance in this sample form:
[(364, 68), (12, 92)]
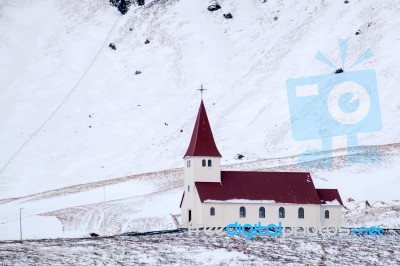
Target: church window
[(203, 163), (326, 214), (281, 212), (188, 188), (209, 163), (242, 212), (212, 211), (261, 212), (188, 163), (301, 213)]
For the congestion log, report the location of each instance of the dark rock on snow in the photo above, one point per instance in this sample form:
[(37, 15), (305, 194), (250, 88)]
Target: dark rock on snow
[(112, 46), (228, 16), (123, 6), (213, 7)]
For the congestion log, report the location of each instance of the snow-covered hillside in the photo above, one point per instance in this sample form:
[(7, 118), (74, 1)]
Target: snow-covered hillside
[(180, 249), (73, 111)]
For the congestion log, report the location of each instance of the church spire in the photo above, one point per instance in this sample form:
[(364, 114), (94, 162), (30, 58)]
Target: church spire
[(202, 142)]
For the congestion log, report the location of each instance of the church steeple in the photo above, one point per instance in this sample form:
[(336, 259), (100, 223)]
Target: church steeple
[(202, 142), (202, 164)]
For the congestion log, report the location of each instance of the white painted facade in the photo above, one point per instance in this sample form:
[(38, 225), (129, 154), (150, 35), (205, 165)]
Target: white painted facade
[(196, 172), (227, 213)]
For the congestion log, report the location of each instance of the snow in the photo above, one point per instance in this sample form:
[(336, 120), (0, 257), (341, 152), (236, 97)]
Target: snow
[(385, 214), (58, 77), (333, 202), (179, 249), (244, 63), (136, 203)]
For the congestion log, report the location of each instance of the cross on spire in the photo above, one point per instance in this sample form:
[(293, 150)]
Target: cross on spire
[(201, 91)]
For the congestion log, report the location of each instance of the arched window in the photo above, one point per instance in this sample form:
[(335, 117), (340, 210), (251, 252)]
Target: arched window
[(188, 163), (209, 163), (326, 214), (281, 212), (261, 212), (242, 212), (212, 211), (203, 163), (301, 213)]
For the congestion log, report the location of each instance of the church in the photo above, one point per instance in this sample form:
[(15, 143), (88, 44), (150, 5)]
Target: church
[(213, 197)]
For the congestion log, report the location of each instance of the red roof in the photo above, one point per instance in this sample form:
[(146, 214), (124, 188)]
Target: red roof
[(202, 142), (281, 187), (329, 195)]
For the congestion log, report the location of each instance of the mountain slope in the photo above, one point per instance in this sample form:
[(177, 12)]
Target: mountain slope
[(73, 110)]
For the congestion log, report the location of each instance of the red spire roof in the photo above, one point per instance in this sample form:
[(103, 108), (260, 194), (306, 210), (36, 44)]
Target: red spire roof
[(202, 142)]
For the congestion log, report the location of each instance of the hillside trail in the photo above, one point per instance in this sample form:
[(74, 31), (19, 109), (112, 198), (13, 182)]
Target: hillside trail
[(62, 102)]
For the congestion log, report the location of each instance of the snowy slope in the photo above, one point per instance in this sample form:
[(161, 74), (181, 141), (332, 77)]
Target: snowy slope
[(179, 249), (141, 203), (73, 111), (136, 203), (244, 63)]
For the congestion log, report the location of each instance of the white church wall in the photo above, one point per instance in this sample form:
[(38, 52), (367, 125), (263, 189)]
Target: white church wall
[(314, 215), (191, 202), (203, 173), (229, 213), (335, 215)]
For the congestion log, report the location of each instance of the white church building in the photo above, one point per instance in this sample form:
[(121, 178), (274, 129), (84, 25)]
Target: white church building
[(217, 198)]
